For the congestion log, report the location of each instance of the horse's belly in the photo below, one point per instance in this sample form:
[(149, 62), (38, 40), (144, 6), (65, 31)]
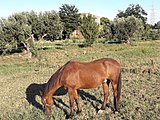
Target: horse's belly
[(90, 84)]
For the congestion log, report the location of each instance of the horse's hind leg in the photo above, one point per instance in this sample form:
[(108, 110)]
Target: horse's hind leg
[(106, 94), (114, 85)]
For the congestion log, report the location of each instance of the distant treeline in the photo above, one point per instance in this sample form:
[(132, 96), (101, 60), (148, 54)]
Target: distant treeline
[(20, 30)]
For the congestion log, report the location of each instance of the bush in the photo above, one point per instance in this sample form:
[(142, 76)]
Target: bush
[(153, 34)]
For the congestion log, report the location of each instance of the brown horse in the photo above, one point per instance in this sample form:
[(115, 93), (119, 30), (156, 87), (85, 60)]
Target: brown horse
[(84, 75)]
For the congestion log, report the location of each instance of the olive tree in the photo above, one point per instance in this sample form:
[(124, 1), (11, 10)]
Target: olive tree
[(89, 28), (15, 33), (125, 28), (135, 10)]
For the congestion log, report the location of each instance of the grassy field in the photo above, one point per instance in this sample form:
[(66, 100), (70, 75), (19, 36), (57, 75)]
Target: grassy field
[(21, 79)]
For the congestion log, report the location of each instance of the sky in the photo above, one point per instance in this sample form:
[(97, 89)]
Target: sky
[(102, 8)]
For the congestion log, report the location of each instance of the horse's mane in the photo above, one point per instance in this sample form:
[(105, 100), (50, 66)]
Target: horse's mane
[(53, 79)]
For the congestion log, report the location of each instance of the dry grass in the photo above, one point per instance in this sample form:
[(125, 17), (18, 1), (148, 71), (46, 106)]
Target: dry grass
[(21, 78)]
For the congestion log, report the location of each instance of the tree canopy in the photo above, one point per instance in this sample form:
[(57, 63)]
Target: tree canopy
[(135, 10), (105, 28), (89, 28), (125, 28), (70, 17), (17, 31), (52, 26), (104, 21)]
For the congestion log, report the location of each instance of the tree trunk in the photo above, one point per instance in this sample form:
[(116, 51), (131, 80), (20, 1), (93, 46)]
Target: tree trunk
[(129, 40)]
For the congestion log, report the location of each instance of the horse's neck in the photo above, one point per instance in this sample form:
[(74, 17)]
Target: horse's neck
[(53, 83)]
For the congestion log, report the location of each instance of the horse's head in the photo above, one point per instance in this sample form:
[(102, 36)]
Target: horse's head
[(46, 104)]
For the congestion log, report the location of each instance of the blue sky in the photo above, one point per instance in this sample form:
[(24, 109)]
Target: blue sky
[(103, 8)]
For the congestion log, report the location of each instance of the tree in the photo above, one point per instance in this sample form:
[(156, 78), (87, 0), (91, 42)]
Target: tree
[(52, 25), (145, 33), (104, 21), (35, 23), (105, 31), (154, 34), (2, 40), (45, 24), (125, 28), (157, 25), (135, 10), (16, 33), (89, 28), (70, 18)]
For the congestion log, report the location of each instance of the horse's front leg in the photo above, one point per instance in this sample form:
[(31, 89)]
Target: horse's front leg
[(71, 101), (77, 101)]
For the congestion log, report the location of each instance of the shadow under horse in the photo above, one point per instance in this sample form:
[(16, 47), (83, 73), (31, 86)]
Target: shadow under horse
[(34, 89)]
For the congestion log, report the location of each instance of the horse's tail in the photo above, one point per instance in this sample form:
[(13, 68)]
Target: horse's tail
[(119, 86)]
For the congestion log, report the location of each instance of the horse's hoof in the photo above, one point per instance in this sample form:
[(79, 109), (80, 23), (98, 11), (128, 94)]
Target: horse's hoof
[(100, 111), (103, 108), (69, 117), (79, 111), (48, 113), (115, 112)]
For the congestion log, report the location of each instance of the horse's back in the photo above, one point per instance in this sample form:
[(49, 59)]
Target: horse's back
[(88, 74), (112, 63), (100, 65)]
